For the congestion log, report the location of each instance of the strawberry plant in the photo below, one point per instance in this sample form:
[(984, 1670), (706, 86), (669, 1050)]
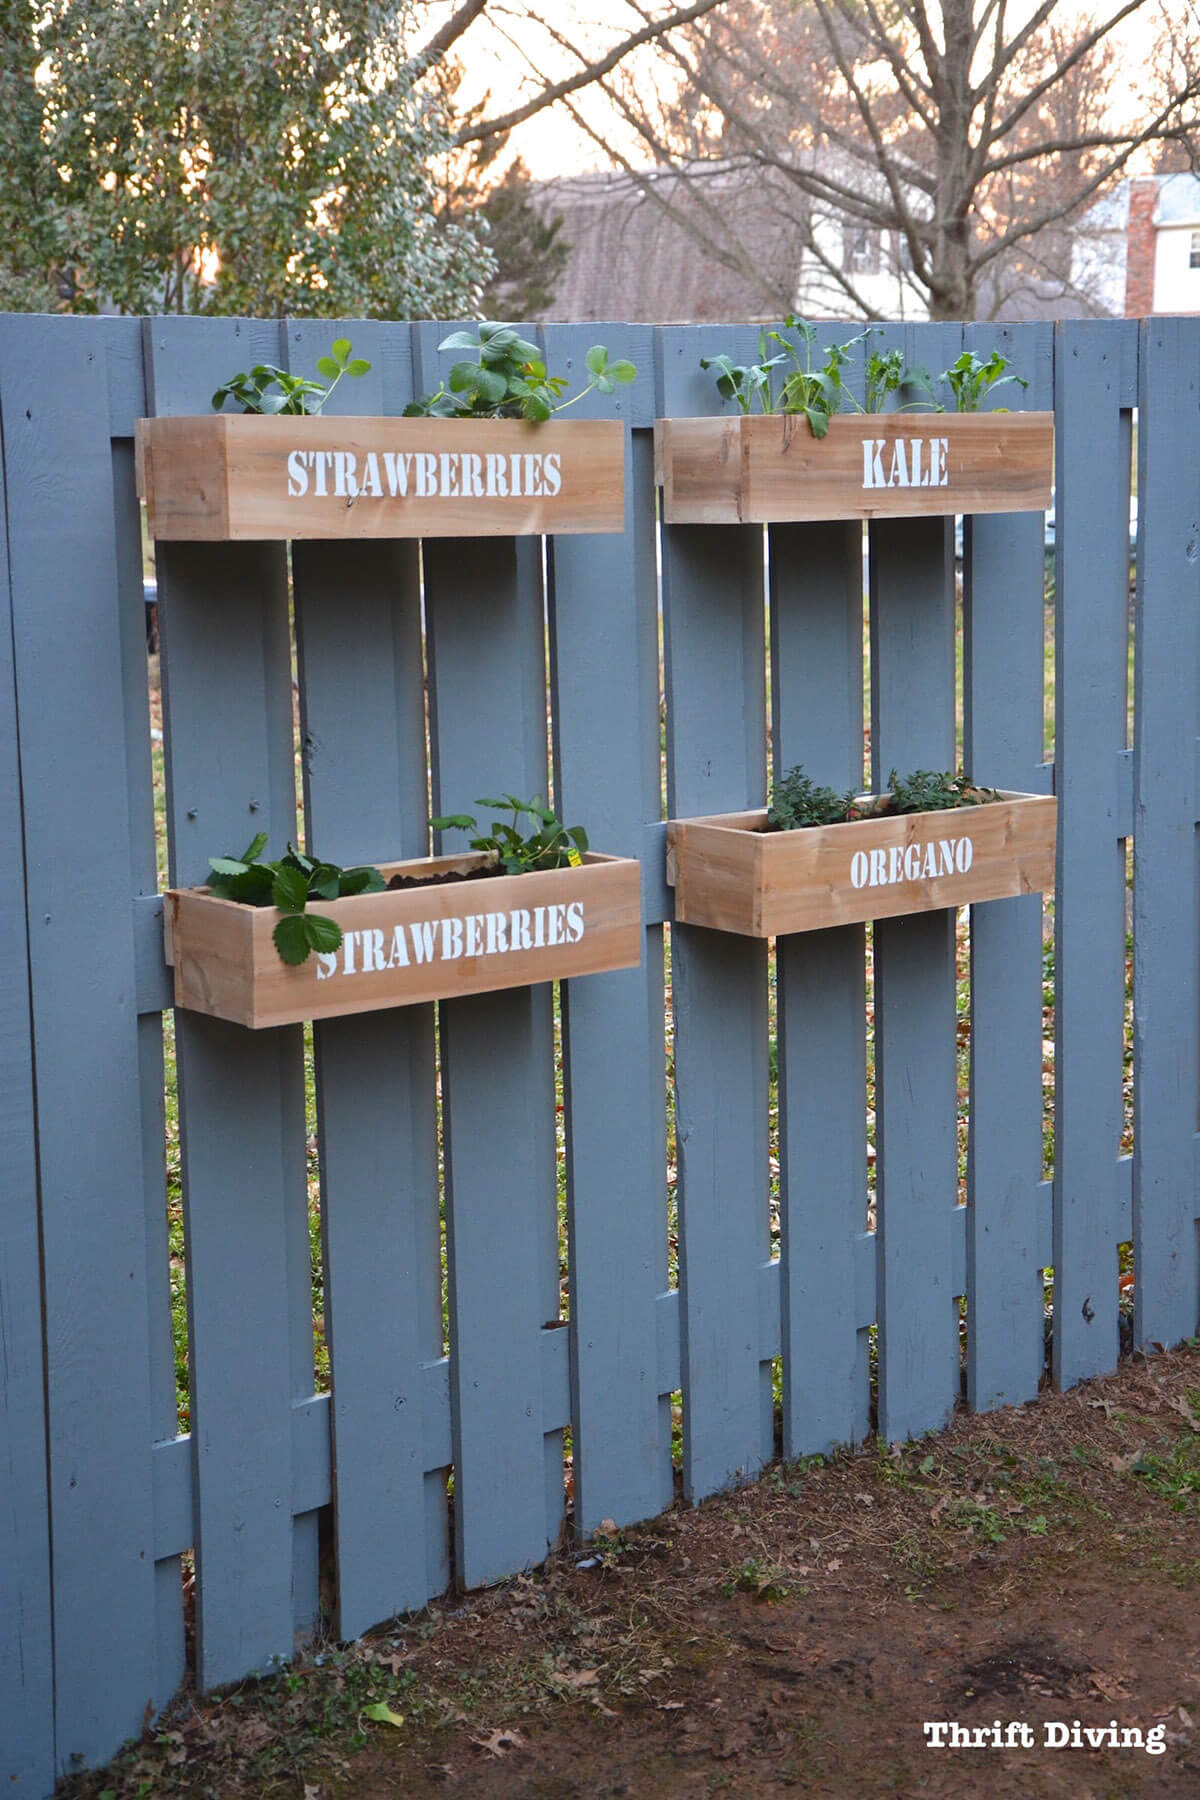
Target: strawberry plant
[(266, 389), (289, 884), (506, 378), (550, 845)]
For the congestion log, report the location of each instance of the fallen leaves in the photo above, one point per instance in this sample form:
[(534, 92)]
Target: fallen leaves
[(499, 1743)]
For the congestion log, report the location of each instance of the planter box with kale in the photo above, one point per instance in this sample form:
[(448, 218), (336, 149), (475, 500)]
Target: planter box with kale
[(768, 469), (402, 946), (731, 873)]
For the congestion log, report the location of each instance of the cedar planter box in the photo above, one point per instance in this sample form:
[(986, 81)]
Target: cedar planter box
[(730, 873), (405, 946), (770, 469), (238, 477)]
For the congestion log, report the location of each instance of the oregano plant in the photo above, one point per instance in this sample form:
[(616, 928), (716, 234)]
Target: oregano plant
[(289, 884)]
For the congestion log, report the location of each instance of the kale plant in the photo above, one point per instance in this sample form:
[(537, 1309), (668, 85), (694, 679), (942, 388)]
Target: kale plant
[(888, 374), (551, 845), (266, 389), (505, 378), (797, 801), (934, 790), (972, 380), (289, 884)]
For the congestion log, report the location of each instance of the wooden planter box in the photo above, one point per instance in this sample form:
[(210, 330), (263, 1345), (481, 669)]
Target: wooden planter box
[(237, 477), (730, 873), (766, 470), (401, 947)]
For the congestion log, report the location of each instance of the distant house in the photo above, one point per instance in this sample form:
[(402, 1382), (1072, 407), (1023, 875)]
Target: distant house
[(1162, 243), (730, 240), (639, 251)]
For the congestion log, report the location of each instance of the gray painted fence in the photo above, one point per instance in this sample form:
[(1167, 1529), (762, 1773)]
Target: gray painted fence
[(535, 667)]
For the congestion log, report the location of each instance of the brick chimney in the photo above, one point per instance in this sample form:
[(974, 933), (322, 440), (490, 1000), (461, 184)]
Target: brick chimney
[(1139, 247)]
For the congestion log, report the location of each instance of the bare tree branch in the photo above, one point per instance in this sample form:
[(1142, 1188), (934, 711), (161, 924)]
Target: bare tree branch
[(450, 32), (590, 73)]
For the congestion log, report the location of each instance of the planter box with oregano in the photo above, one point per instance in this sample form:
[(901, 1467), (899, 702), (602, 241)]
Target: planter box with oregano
[(272, 943), (801, 447), (817, 858), (487, 455)]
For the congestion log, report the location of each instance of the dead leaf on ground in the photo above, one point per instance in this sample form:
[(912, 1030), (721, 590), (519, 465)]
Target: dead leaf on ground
[(499, 1743)]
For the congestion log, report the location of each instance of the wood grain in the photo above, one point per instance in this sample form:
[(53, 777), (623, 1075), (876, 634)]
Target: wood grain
[(235, 477), (767, 470), (731, 874), (226, 963)]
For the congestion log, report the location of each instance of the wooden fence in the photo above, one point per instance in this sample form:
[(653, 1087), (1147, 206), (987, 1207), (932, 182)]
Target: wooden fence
[(421, 685)]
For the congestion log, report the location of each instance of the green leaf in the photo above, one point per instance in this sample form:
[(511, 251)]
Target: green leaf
[(360, 366), (340, 351), (325, 882), (255, 847), (622, 372), (291, 938), (597, 359), (457, 821), (254, 888), (290, 890), (321, 933), (381, 1714), (491, 384), (227, 865), (362, 880), (460, 340), (327, 366), (535, 409)]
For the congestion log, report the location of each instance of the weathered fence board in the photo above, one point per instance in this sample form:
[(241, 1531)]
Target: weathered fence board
[(816, 576), (227, 698), (604, 666), (358, 637), (485, 616), (63, 571), (26, 1645), (1003, 679), (912, 726), (1091, 672), (1166, 948), (713, 620)]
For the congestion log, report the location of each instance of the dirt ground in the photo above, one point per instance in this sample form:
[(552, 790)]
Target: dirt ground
[(1039, 1568)]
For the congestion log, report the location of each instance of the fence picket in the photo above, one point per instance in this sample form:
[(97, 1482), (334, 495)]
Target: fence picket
[(604, 672), (816, 574), (713, 625), (485, 618), (26, 1644), (358, 636), (1167, 1013), (64, 582), (1092, 451), (227, 696), (1003, 677)]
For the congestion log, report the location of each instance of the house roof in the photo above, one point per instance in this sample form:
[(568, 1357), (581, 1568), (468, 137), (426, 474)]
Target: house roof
[(631, 257)]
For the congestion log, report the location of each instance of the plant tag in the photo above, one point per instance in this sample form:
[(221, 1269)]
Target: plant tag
[(574, 858)]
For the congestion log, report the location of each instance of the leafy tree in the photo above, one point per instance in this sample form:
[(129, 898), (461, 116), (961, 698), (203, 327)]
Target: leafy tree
[(529, 250), (251, 156), (245, 156)]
